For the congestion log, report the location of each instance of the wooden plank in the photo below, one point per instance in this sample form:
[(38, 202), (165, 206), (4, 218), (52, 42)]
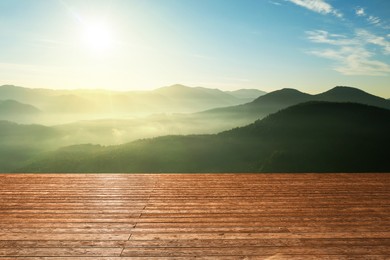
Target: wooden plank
[(274, 242), (331, 235), (77, 230), (202, 216), (61, 236), (256, 251), (60, 252), (269, 257)]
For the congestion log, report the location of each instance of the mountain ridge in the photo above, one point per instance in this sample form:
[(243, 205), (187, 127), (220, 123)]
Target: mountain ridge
[(12, 107), (85, 104), (280, 99), (311, 137)]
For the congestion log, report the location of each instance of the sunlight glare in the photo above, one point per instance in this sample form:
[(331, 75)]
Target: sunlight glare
[(98, 37)]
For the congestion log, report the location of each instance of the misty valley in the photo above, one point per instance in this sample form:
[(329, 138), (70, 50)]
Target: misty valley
[(193, 129)]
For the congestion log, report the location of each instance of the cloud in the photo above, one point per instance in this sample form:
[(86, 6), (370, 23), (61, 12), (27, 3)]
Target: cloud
[(379, 41), (374, 20), (318, 6), (320, 36), (274, 3), (371, 19), (351, 54), (354, 61), (359, 11)]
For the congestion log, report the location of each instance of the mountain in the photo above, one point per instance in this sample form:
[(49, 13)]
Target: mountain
[(12, 107), (61, 106), (184, 92), (198, 97), (24, 95), (323, 137), (19, 143), (15, 111), (309, 137), (247, 93), (47, 100), (280, 99), (244, 114), (348, 94)]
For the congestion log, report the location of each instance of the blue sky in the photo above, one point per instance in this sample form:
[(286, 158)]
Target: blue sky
[(311, 45)]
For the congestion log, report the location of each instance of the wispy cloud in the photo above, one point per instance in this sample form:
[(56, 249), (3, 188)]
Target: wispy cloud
[(371, 19), (318, 6), (374, 20), (359, 52), (320, 36), (371, 38), (352, 55), (274, 3)]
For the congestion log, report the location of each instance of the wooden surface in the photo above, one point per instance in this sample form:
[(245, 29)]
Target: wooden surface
[(207, 216)]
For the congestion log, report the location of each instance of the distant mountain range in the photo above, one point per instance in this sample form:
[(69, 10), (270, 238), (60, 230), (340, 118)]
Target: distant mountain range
[(184, 93), (29, 144), (114, 131), (58, 105), (309, 137), (246, 93), (12, 107), (280, 99)]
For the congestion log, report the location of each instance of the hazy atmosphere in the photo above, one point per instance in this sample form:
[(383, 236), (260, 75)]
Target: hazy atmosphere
[(194, 86), (310, 45)]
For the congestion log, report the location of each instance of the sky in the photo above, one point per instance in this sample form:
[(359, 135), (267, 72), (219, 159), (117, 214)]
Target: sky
[(310, 45)]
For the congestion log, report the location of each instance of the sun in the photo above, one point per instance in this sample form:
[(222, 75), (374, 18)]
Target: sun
[(98, 37)]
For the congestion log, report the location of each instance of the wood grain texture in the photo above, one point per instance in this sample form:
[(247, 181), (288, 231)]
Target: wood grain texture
[(188, 216)]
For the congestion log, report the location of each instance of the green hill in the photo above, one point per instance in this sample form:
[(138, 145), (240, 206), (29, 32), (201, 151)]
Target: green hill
[(348, 94), (19, 143), (310, 137), (280, 99), (10, 108), (122, 130)]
